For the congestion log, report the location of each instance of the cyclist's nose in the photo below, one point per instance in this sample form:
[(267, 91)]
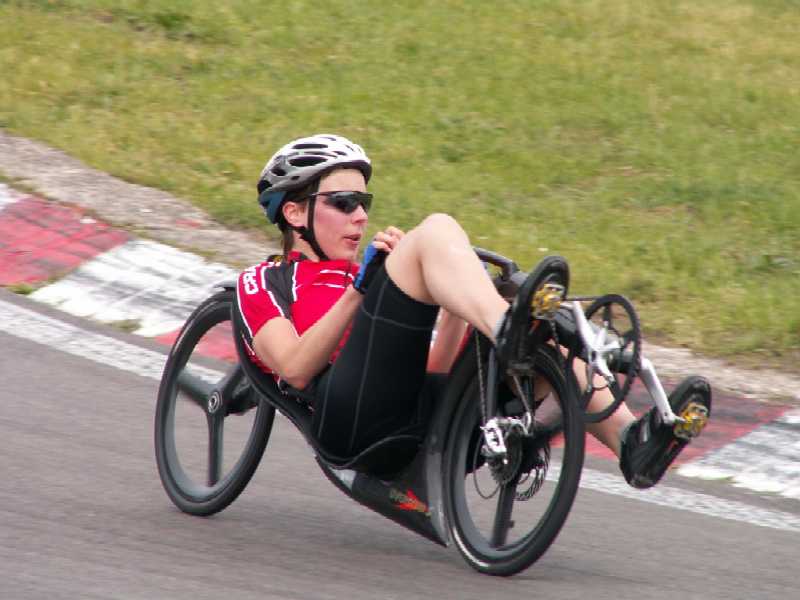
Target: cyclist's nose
[(359, 215)]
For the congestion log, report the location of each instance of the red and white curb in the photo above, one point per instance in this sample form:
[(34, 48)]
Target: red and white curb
[(150, 288), (40, 240), (767, 460), (99, 272)]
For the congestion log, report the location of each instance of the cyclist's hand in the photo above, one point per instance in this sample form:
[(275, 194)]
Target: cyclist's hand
[(387, 239), (373, 259)]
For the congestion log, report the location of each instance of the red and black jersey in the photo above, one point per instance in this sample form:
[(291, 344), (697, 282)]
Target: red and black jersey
[(298, 289)]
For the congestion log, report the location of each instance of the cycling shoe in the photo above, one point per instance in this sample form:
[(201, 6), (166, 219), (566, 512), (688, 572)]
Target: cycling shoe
[(649, 446)]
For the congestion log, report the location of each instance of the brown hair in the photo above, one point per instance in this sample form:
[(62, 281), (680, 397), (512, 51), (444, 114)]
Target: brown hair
[(287, 233)]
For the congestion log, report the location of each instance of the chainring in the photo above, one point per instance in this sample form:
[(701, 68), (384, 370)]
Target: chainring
[(616, 314), (536, 475)]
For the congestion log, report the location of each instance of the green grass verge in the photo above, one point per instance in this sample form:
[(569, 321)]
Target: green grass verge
[(654, 144)]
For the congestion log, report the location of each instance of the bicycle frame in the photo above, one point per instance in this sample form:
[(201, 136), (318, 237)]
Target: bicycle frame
[(511, 278), (594, 339)]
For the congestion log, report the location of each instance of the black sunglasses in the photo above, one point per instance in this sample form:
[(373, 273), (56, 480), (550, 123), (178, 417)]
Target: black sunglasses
[(347, 202)]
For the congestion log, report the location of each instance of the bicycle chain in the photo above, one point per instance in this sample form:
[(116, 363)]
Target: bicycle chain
[(479, 445), (539, 472), (500, 474), (481, 385), (561, 362)]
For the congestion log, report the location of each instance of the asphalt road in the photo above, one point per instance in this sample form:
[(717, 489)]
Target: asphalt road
[(83, 515)]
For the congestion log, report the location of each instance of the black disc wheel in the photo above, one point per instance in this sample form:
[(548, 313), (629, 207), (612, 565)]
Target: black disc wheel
[(504, 513), (211, 427)]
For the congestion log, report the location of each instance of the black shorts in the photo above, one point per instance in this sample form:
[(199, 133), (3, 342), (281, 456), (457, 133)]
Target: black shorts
[(372, 389)]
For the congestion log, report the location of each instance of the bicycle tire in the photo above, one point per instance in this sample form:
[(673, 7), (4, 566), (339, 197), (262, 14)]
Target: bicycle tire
[(483, 552), (219, 490)]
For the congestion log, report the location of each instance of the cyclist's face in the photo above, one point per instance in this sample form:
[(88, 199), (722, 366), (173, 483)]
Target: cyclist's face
[(339, 234)]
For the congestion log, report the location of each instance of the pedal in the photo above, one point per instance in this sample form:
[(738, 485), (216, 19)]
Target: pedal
[(691, 421), (547, 300)]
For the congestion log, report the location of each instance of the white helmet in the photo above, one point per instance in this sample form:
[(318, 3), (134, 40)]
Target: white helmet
[(303, 160)]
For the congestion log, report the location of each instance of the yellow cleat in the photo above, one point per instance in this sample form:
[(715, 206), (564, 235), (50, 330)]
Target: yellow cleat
[(692, 420), (547, 300), (648, 448)]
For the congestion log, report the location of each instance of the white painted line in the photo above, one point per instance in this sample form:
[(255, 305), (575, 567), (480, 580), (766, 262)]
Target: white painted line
[(765, 460), (27, 324), (5, 196), (703, 504), (151, 285)]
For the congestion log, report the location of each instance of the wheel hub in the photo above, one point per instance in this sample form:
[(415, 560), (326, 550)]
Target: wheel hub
[(214, 402)]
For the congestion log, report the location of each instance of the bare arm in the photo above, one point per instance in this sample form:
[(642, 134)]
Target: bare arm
[(298, 359)]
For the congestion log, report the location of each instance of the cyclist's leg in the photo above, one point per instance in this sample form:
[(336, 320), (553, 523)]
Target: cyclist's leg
[(645, 446), (372, 388), (608, 431), (435, 263)]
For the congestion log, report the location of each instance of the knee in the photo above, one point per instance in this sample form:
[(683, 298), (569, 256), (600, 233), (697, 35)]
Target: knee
[(439, 223), (435, 228)]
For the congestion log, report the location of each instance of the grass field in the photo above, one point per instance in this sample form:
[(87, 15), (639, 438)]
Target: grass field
[(654, 144)]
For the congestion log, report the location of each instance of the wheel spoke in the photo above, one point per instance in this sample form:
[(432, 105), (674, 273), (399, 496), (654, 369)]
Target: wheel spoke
[(616, 391), (607, 316), (228, 384), (194, 387), (629, 338), (215, 437), (502, 518)]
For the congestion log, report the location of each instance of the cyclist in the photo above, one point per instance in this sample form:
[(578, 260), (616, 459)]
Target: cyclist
[(356, 340)]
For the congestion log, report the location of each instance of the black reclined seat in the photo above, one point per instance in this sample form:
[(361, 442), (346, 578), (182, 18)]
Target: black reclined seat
[(387, 456)]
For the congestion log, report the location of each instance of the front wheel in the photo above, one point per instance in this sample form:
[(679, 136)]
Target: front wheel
[(504, 514), (203, 395)]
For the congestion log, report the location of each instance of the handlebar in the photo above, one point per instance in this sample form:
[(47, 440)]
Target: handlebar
[(507, 266)]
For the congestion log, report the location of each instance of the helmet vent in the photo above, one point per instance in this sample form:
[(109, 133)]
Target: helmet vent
[(306, 161), (278, 171), (308, 146)]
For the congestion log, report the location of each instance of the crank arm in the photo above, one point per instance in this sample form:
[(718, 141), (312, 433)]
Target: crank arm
[(493, 440)]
